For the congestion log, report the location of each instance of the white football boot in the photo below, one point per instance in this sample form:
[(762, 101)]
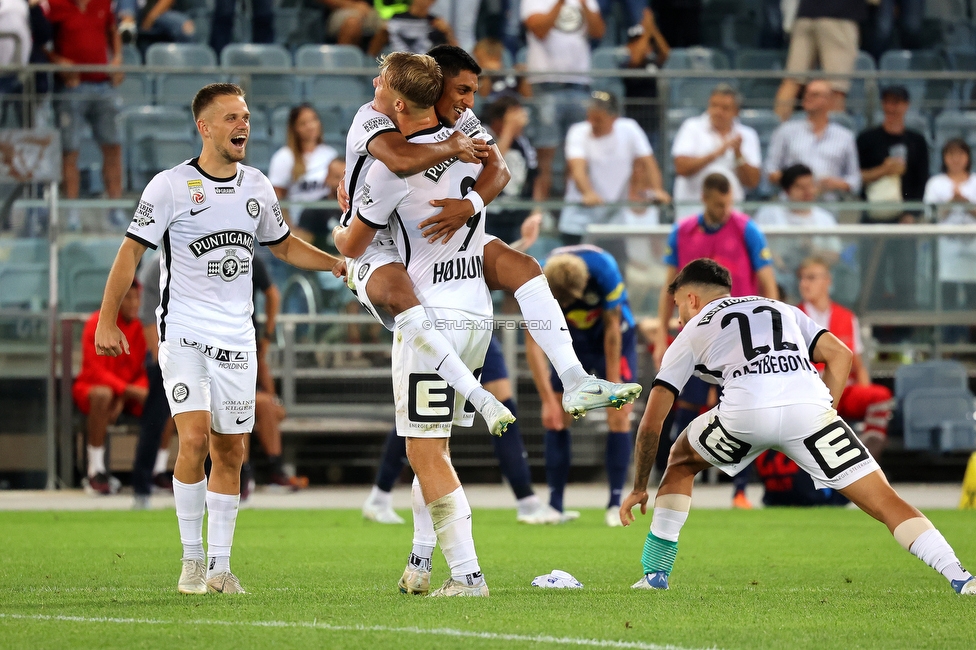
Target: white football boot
[(415, 581), (595, 393), (193, 577), (452, 587), (496, 415), (225, 582)]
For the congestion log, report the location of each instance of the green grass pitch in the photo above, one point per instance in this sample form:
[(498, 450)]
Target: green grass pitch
[(327, 579)]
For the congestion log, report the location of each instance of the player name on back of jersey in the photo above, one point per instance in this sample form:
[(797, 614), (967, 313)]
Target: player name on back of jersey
[(434, 173), (460, 268)]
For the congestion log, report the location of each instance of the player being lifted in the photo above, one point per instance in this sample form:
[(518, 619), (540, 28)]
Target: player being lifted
[(378, 276), (762, 352), (449, 279), (207, 213)]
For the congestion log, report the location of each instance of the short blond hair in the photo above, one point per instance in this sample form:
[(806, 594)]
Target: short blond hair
[(567, 275), (416, 77)]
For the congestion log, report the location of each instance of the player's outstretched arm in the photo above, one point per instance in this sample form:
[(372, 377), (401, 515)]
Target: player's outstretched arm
[(109, 339), (837, 358), (354, 239), (455, 213), (645, 450), (303, 255), (405, 159)]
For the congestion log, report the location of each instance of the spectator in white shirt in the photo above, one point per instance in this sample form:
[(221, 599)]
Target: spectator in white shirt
[(298, 170), (828, 149), (789, 252), (957, 255), (558, 34), (715, 142), (609, 160)]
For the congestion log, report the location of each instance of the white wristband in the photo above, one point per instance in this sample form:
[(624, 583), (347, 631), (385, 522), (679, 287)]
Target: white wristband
[(476, 201)]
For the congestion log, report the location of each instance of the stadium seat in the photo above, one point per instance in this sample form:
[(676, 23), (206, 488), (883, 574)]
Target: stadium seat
[(609, 58), (336, 96), (939, 419), (157, 138), (759, 91), (695, 92), (25, 285), (179, 89), (764, 121), (136, 88), (83, 267), (90, 163), (940, 374), (268, 90), (923, 93), (857, 98), (279, 125), (964, 61)]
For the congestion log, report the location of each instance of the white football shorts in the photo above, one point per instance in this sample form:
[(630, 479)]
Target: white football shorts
[(814, 436), (426, 406), (381, 251), (200, 377)]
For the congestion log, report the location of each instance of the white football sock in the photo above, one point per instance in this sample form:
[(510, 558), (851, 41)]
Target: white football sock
[(548, 327), (451, 516), (933, 549), (434, 350), (670, 514), (191, 503), (424, 537), (528, 504), (162, 459), (220, 530), (96, 460), (379, 498)]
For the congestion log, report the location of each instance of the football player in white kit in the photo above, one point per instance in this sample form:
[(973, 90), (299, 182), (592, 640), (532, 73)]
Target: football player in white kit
[(761, 351), (390, 298), (449, 280), (207, 214)]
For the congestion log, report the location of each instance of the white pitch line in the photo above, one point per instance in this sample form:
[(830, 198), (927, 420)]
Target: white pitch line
[(443, 631)]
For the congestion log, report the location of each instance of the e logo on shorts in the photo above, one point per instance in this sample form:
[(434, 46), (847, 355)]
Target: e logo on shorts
[(180, 393)]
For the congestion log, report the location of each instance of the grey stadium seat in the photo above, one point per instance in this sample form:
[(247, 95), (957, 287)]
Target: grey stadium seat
[(939, 419), (157, 138), (179, 89), (324, 89), (268, 90)]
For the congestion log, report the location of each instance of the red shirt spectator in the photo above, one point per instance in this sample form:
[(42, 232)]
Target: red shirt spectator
[(115, 372), (83, 31)]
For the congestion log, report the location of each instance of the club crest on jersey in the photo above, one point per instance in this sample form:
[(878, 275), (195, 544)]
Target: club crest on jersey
[(363, 270), (253, 208), (180, 393), (229, 266), (197, 195), (434, 173)]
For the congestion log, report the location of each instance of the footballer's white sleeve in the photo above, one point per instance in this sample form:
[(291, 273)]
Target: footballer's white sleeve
[(576, 139), (678, 364), (154, 213), (810, 330), (471, 126), (382, 193), (374, 124), (271, 228)]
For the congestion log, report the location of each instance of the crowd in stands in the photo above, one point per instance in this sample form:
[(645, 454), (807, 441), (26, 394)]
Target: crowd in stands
[(565, 133)]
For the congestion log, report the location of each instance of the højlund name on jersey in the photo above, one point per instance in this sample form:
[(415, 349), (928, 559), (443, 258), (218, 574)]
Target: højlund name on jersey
[(460, 268), (434, 173), (222, 239)]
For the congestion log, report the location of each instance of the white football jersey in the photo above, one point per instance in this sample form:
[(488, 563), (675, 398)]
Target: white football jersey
[(370, 123), (447, 276), (208, 228), (757, 349)]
